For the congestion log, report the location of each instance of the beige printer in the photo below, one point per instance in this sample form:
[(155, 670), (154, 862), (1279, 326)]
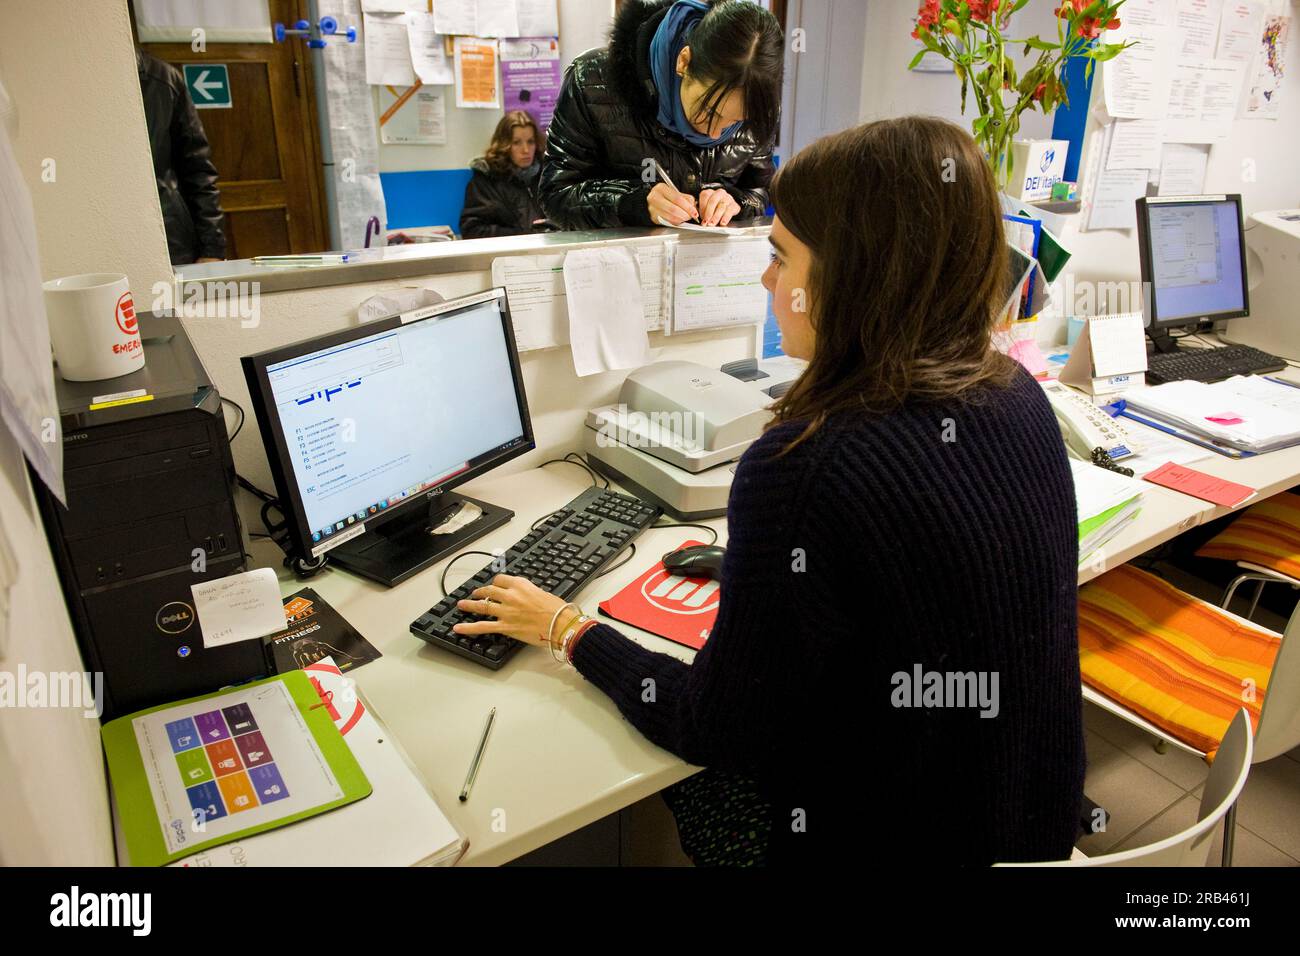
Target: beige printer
[(675, 434), (1273, 264)]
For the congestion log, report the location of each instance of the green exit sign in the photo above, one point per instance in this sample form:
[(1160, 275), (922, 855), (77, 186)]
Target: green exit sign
[(209, 85)]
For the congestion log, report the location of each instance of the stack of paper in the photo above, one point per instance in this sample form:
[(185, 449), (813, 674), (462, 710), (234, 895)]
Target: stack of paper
[(1248, 413), (1107, 501)]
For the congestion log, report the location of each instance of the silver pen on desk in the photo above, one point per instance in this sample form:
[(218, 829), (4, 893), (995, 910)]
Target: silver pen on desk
[(478, 756)]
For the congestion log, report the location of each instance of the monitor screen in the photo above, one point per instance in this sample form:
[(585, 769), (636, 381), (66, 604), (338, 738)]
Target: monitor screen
[(1193, 259), (369, 421)]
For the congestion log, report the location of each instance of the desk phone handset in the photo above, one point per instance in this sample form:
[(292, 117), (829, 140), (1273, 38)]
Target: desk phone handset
[(1085, 427)]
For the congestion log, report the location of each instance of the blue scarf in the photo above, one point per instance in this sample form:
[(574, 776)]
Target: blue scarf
[(673, 32)]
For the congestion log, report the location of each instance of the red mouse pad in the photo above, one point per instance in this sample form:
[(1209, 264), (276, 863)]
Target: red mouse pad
[(678, 608)]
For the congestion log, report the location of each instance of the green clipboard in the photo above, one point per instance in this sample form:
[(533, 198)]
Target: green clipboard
[(138, 814)]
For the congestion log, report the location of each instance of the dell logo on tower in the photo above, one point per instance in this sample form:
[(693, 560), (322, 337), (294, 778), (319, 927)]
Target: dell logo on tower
[(174, 618)]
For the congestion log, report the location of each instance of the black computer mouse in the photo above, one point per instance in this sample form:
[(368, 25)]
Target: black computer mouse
[(700, 561)]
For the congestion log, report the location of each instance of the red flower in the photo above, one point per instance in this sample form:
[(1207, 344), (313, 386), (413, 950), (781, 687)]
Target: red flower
[(1039, 90), (983, 10), (1091, 27), (927, 15)]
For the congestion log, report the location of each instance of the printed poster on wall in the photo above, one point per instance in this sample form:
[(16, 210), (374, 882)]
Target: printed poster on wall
[(1270, 63), (531, 76), (412, 117), (476, 74)]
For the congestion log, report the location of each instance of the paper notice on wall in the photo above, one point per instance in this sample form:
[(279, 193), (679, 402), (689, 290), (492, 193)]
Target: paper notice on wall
[(1240, 25), (354, 134), (419, 118), (538, 302), (606, 323), (538, 18), (1112, 192), (1268, 68), (496, 18), (1198, 21), (1136, 83), (388, 51), (231, 21), (531, 76), (1203, 100), (476, 74), (428, 51), (1182, 169), (719, 283), (29, 407), (456, 17), (656, 295), (1135, 144)]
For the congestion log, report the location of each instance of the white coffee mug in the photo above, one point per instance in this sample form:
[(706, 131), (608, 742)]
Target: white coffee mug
[(93, 326)]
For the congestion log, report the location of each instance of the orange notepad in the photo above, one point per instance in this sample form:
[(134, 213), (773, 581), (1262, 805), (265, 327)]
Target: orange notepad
[(1198, 484)]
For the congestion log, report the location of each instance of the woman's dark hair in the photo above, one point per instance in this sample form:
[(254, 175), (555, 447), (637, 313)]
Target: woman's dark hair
[(739, 46), (498, 151), (909, 267)]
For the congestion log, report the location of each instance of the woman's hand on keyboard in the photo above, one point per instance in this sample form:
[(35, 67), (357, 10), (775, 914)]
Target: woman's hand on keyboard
[(522, 611)]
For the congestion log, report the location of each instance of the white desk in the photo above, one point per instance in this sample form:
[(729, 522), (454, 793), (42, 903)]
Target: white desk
[(561, 756)]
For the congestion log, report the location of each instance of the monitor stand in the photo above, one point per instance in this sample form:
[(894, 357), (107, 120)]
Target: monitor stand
[(404, 546), (1163, 343)]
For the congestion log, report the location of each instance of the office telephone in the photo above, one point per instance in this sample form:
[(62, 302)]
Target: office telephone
[(1086, 427)]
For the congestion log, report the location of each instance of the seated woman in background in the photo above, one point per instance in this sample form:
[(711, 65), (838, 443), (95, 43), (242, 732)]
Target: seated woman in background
[(895, 660), (501, 198)]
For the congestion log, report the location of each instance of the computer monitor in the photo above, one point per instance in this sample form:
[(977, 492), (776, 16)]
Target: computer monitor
[(1193, 259), (366, 429)]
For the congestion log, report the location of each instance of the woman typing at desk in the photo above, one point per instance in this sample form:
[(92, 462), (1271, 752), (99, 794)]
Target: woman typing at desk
[(894, 667)]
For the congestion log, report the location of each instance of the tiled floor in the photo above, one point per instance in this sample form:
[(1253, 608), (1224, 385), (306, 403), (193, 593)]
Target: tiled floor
[(1151, 796)]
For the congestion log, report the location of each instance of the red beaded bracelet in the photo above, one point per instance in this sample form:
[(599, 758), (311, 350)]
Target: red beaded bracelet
[(572, 644)]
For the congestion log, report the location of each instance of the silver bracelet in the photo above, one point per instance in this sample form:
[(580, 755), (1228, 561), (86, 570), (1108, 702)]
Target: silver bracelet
[(550, 630)]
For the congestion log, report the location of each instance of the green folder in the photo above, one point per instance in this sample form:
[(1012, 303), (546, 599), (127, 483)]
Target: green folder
[(1090, 525), (1052, 256), (142, 825)]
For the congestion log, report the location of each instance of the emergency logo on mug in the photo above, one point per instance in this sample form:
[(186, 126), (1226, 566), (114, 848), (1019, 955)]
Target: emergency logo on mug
[(125, 314)]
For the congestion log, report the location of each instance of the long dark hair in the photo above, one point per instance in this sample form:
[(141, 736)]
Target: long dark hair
[(739, 46), (498, 151), (909, 267)]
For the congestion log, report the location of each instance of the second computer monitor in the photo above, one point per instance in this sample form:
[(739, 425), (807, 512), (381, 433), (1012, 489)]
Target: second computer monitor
[(1193, 260)]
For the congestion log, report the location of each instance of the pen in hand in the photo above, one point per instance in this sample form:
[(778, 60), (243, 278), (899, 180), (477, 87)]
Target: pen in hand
[(478, 756), (667, 181)]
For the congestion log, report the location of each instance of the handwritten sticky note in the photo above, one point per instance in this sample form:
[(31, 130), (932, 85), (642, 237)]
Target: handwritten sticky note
[(1198, 484), (239, 607)]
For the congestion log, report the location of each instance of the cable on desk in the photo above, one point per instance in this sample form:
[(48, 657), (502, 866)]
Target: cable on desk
[(242, 416), (533, 526), (702, 527), (442, 582), (614, 567), (253, 489), (573, 458), (579, 459)]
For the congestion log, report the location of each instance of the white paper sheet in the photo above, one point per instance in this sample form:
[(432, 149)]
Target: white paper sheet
[(1240, 27), (652, 264), (456, 17), (354, 134), (393, 6), (421, 120), (496, 18), (238, 607), (28, 405), (538, 302), (1113, 193), (428, 52), (1118, 344), (230, 21), (1135, 144), (1203, 100), (1136, 83), (1182, 169), (606, 322), (538, 18), (1198, 21), (719, 283), (388, 51)]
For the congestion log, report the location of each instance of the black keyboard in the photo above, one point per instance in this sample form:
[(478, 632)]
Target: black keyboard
[(1210, 365), (567, 550)]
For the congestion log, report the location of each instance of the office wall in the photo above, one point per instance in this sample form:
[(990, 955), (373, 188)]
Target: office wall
[(70, 68)]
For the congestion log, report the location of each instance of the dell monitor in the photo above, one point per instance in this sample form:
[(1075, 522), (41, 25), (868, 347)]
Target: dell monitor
[(1193, 259), (368, 429)]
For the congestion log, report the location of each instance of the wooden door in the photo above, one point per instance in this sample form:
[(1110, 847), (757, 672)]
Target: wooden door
[(265, 146)]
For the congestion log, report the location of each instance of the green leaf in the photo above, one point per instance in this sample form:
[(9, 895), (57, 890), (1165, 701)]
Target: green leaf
[(1018, 4), (1040, 44), (1105, 52), (916, 59)]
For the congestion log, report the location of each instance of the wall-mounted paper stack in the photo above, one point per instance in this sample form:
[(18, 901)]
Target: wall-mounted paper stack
[(1107, 501), (1249, 413)]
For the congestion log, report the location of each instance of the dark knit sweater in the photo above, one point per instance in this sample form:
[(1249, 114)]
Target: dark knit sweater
[(874, 547)]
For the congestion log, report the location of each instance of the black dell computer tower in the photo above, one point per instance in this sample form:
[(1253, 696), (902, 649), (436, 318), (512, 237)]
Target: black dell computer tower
[(150, 512)]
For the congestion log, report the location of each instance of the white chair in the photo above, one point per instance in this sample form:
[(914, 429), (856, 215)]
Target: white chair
[(1191, 847)]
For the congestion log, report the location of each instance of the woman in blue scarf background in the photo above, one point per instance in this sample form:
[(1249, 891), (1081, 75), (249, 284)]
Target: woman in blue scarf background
[(693, 85)]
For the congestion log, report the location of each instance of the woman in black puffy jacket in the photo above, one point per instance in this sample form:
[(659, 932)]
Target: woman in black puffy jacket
[(501, 198), (694, 85)]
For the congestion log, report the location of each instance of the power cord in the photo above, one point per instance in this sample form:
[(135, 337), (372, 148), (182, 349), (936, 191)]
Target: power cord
[(631, 553), (702, 527), (573, 458), (243, 416), (442, 582)]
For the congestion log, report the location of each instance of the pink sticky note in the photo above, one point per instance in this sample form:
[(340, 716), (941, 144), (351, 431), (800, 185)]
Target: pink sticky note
[(1226, 418), (1028, 354)]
